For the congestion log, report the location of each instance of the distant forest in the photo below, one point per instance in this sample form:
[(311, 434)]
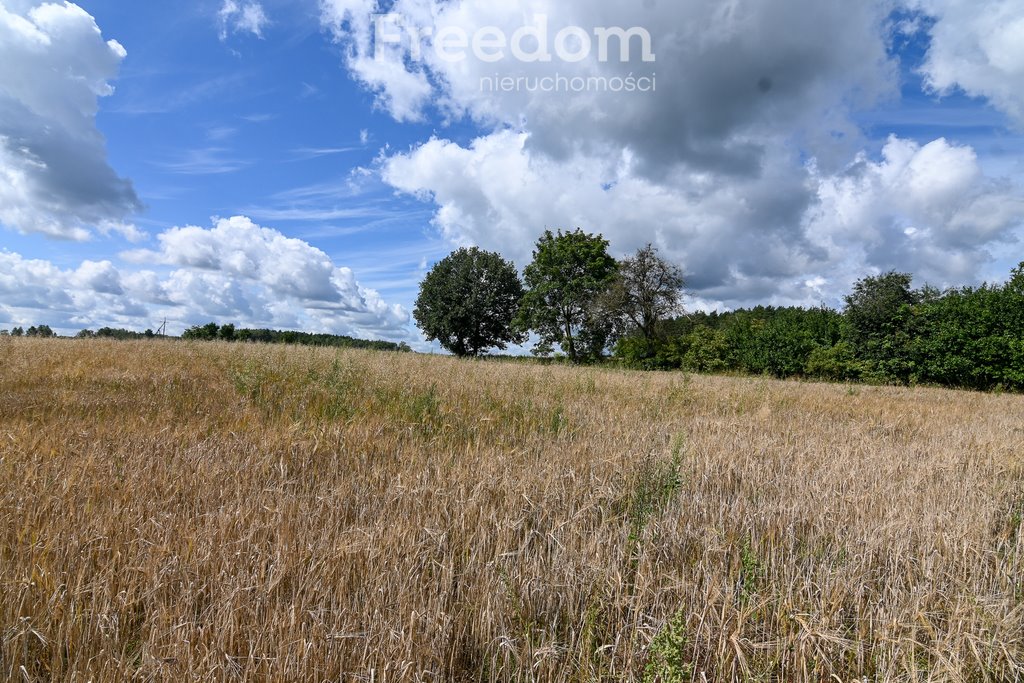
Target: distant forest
[(888, 333), (228, 333)]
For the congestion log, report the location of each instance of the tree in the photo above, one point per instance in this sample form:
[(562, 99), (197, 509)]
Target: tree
[(1016, 283), (706, 350), (647, 291), (878, 314), (468, 302), (569, 273), (18, 332), (207, 332)]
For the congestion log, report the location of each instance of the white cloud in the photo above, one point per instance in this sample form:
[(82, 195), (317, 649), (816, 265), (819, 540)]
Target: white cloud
[(101, 278), (205, 161), (242, 17), (779, 236), (402, 88), (54, 175), (32, 284), (713, 165), (728, 74), (234, 272), (927, 209), (977, 46), (236, 254), (499, 194)]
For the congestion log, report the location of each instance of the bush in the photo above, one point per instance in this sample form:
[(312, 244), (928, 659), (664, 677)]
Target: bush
[(705, 350), (835, 363), (639, 353)]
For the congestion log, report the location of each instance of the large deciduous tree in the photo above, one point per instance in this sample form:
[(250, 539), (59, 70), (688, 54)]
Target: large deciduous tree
[(647, 291), (878, 314), (468, 301), (569, 273)]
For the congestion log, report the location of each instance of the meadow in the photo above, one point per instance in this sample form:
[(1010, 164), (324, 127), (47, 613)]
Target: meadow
[(176, 511)]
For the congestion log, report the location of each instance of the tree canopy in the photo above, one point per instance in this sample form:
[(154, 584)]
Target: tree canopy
[(647, 291), (468, 302), (569, 273)]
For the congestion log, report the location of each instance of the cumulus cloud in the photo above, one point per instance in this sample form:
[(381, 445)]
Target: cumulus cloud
[(402, 88), (727, 74), (781, 235), (241, 17), (237, 255), (978, 47), (924, 208), (235, 271), (743, 165), (54, 174)]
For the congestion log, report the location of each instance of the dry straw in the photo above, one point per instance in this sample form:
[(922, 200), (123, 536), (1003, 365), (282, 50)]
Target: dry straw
[(179, 512)]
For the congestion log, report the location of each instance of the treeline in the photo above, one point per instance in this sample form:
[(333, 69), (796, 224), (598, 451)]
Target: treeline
[(213, 331), (42, 331), (970, 338), (115, 333), (582, 305), (230, 333)]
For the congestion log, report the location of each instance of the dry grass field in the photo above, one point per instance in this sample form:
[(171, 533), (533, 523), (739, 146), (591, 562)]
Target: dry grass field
[(180, 512)]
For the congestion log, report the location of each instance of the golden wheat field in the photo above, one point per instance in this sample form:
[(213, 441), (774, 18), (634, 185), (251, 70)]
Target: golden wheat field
[(184, 512)]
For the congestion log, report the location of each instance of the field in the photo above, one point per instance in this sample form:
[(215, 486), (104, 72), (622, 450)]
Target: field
[(206, 512)]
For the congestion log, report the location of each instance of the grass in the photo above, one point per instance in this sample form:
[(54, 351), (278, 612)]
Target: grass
[(185, 512)]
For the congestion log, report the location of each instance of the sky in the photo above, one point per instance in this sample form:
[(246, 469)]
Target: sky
[(302, 164)]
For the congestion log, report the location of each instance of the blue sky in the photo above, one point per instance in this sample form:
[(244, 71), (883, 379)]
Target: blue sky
[(286, 172)]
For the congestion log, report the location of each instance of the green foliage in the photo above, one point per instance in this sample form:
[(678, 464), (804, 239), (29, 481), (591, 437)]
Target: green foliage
[(657, 481), (638, 353), (213, 331), (971, 338), (834, 363), (570, 272), (752, 572), (666, 657), (207, 332), (468, 302), (115, 333), (878, 316), (646, 291), (705, 350), (779, 341), (765, 340), (42, 331)]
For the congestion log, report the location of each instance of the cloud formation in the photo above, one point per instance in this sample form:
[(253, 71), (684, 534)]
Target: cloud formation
[(745, 164), (977, 47), (927, 208), (235, 271), (54, 174), (728, 74), (779, 236), (242, 17)]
